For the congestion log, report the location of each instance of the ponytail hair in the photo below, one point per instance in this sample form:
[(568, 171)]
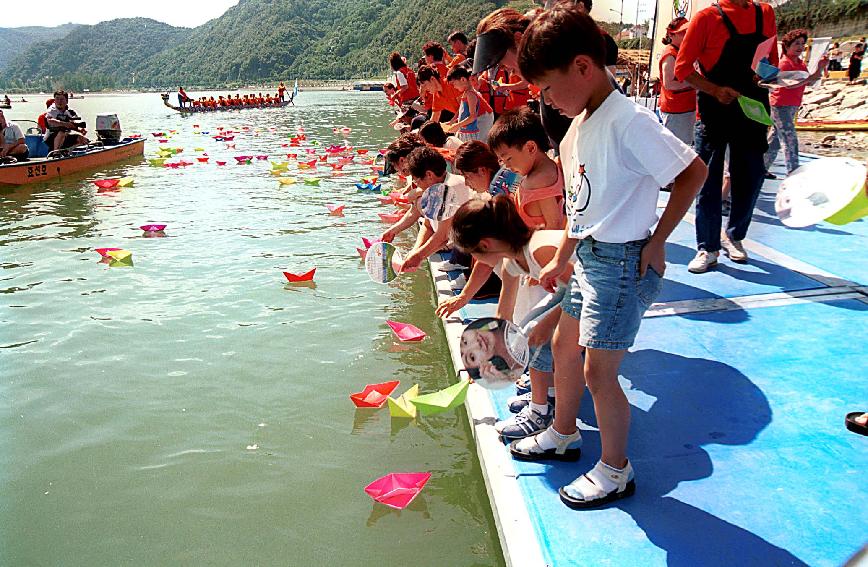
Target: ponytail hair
[(496, 218)]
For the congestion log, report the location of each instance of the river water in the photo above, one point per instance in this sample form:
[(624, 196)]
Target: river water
[(192, 409)]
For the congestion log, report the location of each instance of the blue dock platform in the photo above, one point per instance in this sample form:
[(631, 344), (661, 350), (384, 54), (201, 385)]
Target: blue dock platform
[(739, 383)]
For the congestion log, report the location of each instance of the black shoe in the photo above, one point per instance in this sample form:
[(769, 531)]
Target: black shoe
[(770, 175)]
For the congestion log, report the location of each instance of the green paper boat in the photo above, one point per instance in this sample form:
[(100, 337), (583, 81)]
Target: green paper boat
[(313, 181), (401, 407), (755, 110), (444, 400)]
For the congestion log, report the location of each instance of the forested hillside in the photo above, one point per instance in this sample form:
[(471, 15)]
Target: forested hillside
[(255, 41), (14, 41), (106, 55)]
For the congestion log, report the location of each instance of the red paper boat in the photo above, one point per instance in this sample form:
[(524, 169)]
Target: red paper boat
[(183, 163), (363, 252), (221, 163), (311, 163), (262, 157), (202, 159), (406, 331), (305, 277), (153, 227), (228, 138), (292, 156), (173, 165), (104, 251), (361, 151), (335, 209), (157, 134), (397, 490), (374, 395), (323, 158), (370, 242), (106, 183), (390, 217), (163, 141), (195, 125), (242, 159), (386, 199)]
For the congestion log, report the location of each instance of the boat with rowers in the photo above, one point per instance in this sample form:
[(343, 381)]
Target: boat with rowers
[(229, 103), (109, 148)]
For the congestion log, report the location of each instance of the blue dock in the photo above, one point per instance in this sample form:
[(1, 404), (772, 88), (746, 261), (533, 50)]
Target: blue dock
[(739, 380)]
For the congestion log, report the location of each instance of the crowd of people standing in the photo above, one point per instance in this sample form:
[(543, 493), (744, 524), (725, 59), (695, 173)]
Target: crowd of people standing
[(532, 93)]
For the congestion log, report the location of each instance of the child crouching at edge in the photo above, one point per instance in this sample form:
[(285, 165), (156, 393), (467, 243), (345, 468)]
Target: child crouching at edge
[(494, 234), (427, 168), (615, 157), (478, 165)]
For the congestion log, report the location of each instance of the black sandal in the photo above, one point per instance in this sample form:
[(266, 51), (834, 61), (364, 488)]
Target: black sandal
[(855, 426)]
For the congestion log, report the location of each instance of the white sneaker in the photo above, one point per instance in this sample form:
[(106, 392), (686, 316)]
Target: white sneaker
[(449, 266), (702, 262), (734, 249), (458, 283)]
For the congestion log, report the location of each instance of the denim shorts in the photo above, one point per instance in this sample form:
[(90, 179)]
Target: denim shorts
[(607, 295)]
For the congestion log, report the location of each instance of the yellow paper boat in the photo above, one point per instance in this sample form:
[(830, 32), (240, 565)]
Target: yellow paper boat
[(126, 182), (198, 149), (277, 166), (402, 407), (120, 255), (287, 180)]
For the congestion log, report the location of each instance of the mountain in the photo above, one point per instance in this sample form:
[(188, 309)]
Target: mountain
[(254, 41), (105, 55), (14, 41)]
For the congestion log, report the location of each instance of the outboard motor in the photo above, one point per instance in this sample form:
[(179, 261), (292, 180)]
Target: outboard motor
[(108, 128)]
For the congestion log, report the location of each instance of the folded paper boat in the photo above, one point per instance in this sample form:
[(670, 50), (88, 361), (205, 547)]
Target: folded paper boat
[(120, 255), (287, 180), (401, 406), (444, 400), (374, 395), (335, 209), (390, 217), (107, 183), (126, 181), (305, 277), (406, 331), (397, 490), (153, 227), (104, 251)]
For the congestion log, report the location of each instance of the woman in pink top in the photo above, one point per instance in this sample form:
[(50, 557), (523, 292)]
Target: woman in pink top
[(785, 102)]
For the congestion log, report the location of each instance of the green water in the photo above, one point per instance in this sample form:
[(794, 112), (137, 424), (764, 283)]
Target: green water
[(129, 396)]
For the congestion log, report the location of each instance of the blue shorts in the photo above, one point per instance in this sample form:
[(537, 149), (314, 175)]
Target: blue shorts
[(607, 295)]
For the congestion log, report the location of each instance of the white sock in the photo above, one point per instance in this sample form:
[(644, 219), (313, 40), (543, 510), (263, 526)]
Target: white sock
[(542, 409), (551, 392), (550, 439)]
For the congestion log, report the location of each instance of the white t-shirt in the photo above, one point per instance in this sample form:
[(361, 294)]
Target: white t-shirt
[(460, 192), (11, 134), (615, 163), (452, 143), (400, 79)]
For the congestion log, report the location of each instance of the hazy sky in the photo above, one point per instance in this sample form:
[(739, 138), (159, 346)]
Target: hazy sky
[(191, 13)]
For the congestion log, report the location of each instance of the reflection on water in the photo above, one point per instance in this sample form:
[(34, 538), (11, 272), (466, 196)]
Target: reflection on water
[(130, 398)]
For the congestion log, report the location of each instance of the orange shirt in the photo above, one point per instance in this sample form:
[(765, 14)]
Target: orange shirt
[(457, 60), (675, 102), (446, 99), (707, 35), (442, 69)]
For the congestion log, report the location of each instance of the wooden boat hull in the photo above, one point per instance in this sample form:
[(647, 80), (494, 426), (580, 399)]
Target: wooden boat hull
[(42, 169), (831, 125)]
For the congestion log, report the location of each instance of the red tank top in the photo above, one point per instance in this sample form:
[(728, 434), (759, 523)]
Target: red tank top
[(675, 102)]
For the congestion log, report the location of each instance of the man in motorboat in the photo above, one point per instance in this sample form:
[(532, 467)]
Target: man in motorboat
[(65, 128), (12, 146)]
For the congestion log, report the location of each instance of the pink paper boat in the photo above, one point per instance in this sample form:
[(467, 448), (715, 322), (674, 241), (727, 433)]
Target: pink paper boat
[(385, 199), (363, 252), (374, 395), (335, 210), (369, 242), (221, 163), (242, 159), (305, 277), (107, 183), (104, 251), (406, 331), (390, 217), (262, 157), (153, 227), (397, 490)]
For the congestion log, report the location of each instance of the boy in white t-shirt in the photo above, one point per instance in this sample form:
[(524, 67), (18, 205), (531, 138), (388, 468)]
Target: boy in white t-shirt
[(615, 157), (428, 167)]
